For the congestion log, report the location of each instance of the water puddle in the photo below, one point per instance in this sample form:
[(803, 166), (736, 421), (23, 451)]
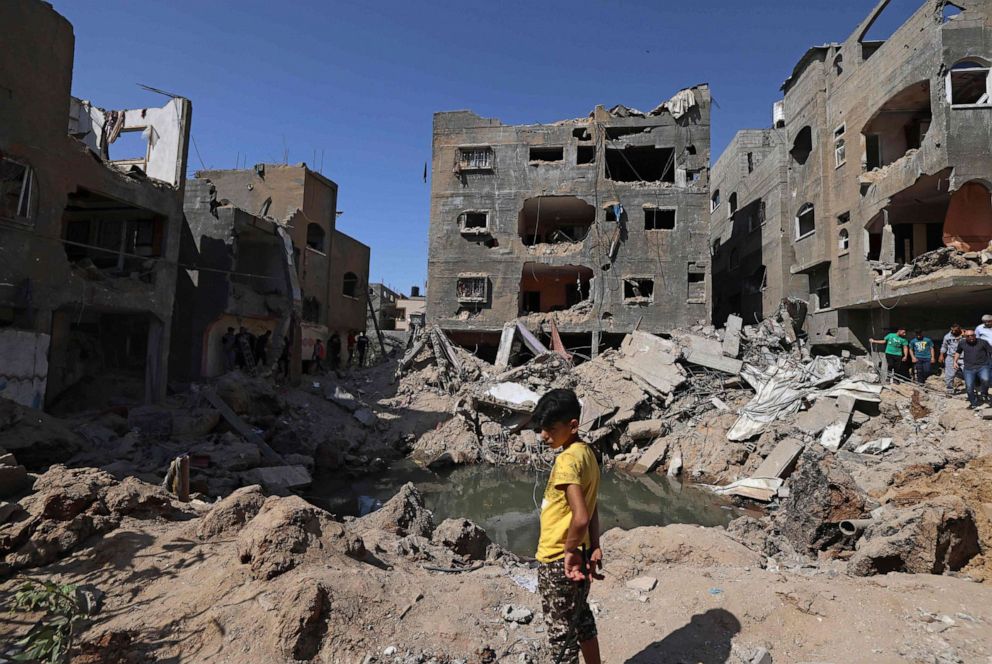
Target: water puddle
[(503, 499)]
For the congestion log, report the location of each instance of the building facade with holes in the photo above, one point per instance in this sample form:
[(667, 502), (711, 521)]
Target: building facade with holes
[(90, 219), (598, 223), (878, 160)]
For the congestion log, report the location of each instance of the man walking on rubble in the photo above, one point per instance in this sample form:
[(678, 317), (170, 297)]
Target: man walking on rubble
[(984, 331), (923, 354), (319, 353), (976, 362), (362, 344), (568, 548), (948, 347), (896, 353)]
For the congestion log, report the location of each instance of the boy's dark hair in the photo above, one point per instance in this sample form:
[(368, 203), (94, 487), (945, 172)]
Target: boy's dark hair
[(555, 407)]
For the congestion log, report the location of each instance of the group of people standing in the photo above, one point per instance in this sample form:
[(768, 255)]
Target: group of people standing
[(964, 353), (358, 343), (238, 347)]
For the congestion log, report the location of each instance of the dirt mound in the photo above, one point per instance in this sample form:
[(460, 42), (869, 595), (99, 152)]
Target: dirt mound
[(231, 513), (403, 514), (70, 505), (973, 484), (680, 544), (37, 439)]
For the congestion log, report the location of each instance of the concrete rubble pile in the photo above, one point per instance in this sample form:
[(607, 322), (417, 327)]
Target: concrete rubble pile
[(945, 258)]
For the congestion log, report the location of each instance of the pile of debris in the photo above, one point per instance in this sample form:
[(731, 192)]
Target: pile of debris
[(977, 262)]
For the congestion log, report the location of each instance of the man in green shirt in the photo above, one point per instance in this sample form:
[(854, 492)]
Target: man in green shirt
[(896, 353)]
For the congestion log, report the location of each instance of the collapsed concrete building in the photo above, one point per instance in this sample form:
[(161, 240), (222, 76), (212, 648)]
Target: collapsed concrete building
[(332, 268), (601, 218), (90, 216), (383, 300), (870, 195)]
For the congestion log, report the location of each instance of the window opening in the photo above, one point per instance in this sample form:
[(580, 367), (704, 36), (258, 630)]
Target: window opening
[(582, 133), (315, 237), (615, 213), (805, 221), (949, 12), (802, 146), (968, 84), (475, 159), (585, 154), (16, 185), (690, 149), (843, 240), (838, 65), (553, 287), (898, 126), (732, 201), (638, 290), (547, 154), (715, 200), (640, 164), (473, 288), (819, 286), (750, 162), (696, 279), (658, 219), (754, 214), (349, 286), (555, 219), (843, 218), (474, 221), (884, 24), (840, 151)]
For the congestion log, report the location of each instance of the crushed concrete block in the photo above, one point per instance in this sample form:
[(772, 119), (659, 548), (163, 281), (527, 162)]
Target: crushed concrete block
[(518, 615), (644, 584), (646, 429), (366, 417), (732, 336), (877, 446), (652, 457), (761, 656), (652, 360)]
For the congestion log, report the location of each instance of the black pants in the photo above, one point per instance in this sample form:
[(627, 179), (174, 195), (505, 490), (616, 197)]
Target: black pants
[(896, 365)]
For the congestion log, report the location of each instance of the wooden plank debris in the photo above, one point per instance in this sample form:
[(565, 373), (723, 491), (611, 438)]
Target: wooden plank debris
[(242, 427)]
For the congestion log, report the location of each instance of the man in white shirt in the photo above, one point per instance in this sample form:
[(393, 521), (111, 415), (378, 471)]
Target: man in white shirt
[(984, 331)]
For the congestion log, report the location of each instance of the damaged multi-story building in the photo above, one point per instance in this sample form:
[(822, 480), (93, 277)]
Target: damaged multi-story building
[(602, 218), (871, 188), (91, 208), (332, 268)]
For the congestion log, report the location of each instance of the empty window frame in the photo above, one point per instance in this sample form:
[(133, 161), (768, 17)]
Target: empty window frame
[(732, 202), (659, 219), (472, 288), (755, 213), (545, 153), (474, 221), (969, 84), (840, 150), (615, 212), (640, 164), (585, 154), (750, 162), (582, 133), (805, 221), (315, 238), (16, 189), (638, 290), (802, 146), (475, 158), (696, 280), (843, 240), (715, 200), (819, 286), (349, 285), (838, 65), (843, 218)]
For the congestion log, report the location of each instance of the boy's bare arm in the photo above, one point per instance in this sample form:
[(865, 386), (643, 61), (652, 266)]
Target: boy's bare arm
[(577, 529)]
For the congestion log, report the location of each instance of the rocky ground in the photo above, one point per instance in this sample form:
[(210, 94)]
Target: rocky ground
[(248, 571)]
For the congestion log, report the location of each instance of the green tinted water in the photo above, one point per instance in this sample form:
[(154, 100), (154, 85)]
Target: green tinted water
[(502, 499)]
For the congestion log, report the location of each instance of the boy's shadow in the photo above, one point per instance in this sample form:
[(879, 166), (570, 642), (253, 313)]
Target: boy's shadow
[(706, 640)]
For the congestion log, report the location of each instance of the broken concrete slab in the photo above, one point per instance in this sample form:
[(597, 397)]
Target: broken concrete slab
[(708, 353), (342, 397), (366, 417), (877, 446), (505, 346), (732, 336), (530, 340), (781, 460), (278, 478), (642, 584), (652, 360), (652, 457), (511, 395), (763, 489)]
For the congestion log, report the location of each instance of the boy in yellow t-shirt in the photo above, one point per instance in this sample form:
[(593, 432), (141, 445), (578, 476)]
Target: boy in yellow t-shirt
[(569, 528)]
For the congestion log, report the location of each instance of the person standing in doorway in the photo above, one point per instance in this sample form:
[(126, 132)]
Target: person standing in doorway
[(948, 347), (262, 349), (976, 359), (896, 353), (362, 344), (319, 353), (227, 344), (923, 355)]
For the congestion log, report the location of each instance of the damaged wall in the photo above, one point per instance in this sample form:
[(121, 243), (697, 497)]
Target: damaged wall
[(875, 149), (505, 196), (78, 206), (348, 303)]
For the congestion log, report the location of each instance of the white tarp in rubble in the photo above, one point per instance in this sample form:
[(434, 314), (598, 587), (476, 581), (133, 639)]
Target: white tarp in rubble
[(757, 488), (859, 390), (514, 393), (780, 390)]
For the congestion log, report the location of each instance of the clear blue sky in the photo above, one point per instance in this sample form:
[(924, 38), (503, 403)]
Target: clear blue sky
[(360, 80)]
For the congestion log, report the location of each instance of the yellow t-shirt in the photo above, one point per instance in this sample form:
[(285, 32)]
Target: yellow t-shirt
[(576, 464)]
